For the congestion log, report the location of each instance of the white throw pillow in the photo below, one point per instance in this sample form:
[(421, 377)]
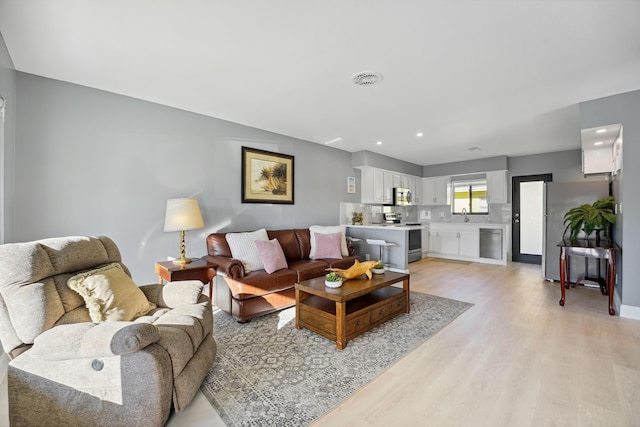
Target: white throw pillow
[(329, 230), (244, 249)]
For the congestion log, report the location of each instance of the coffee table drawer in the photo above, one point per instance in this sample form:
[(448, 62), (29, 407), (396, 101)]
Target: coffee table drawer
[(357, 323), (397, 304)]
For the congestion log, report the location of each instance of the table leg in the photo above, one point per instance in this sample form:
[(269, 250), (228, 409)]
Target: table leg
[(341, 325), (405, 287), (563, 260), (611, 280), (297, 309)]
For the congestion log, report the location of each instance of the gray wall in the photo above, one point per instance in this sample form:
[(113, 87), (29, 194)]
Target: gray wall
[(625, 109), (7, 141), (368, 158), (90, 162), (468, 166)]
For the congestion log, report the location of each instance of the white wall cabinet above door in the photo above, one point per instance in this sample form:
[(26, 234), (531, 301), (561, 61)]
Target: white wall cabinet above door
[(497, 187), (435, 190)]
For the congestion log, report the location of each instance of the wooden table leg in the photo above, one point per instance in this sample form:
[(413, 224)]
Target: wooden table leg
[(405, 287), (341, 325), (563, 259), (297, 309), (611, 280)]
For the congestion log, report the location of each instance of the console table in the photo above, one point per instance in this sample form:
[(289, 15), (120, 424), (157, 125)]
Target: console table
[(590, 249)]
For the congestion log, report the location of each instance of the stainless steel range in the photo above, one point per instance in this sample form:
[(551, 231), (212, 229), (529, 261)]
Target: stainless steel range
[(414, 249), (392, 217)]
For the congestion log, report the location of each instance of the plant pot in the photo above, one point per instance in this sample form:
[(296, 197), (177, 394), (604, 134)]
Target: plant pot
[(329, 284), (377, 270)]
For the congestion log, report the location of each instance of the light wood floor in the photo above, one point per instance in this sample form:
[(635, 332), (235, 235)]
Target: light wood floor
[(514, 359)]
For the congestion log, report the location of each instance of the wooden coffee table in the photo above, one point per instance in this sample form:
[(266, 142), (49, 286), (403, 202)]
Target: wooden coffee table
[(356, 307)]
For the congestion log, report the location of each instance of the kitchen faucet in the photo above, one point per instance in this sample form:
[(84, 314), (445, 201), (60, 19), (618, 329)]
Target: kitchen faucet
[(464, 214)]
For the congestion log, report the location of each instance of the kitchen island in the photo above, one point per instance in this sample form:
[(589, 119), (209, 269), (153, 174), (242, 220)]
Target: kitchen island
[(397, 256)]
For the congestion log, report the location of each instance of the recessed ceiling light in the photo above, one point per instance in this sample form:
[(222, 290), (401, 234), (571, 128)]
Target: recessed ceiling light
[(379, 143), (366, 78), (601, 131), (598, 143), (419, 134), (332, 141), (474, 148)]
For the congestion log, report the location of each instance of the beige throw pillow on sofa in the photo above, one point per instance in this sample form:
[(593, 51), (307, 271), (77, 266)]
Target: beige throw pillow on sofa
[(110, 294), (328, 230)]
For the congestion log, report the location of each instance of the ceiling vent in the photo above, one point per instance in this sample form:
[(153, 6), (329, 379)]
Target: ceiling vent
[(366, 78)]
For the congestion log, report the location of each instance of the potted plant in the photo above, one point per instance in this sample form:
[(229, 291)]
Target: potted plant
[(378, 268), (356, 218), (332, 280), (597, 217)]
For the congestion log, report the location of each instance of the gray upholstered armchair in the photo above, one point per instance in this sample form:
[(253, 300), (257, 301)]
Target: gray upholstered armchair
[(67, 368)]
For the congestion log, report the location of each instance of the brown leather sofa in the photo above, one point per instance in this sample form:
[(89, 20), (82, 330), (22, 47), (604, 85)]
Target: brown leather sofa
[(248, 295)]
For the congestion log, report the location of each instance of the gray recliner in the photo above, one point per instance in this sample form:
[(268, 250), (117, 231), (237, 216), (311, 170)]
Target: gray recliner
[(67, 370)]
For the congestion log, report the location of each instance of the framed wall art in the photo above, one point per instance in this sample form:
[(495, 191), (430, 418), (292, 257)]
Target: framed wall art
[(266, 177), (351, 184)]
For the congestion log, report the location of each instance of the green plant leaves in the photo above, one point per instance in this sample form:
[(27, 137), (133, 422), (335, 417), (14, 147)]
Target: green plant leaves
[(598, 216)]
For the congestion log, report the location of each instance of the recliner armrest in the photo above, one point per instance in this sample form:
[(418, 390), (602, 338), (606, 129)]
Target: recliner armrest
[(82, 340), (174, 294)]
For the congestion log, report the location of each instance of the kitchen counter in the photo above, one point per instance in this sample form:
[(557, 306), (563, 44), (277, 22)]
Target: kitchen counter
[(399, 227), (398, 234)]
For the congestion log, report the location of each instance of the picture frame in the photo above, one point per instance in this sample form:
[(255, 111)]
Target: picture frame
[(267, 177), (351, 184)]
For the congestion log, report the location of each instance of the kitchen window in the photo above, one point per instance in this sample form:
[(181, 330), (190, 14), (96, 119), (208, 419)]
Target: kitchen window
[(470, 195)]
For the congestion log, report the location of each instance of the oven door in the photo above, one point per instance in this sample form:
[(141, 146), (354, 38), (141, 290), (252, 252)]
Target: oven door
[(415, 245)]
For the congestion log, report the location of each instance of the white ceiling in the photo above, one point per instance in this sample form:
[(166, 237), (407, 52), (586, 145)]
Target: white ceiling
[(505, 76)]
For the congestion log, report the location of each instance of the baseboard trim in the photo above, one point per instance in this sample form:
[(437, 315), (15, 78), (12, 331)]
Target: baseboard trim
[(630, 311)]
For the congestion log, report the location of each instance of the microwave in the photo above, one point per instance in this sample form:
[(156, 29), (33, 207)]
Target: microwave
[(401, 197)]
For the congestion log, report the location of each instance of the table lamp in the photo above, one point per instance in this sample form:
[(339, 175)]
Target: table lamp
[(182, 215)]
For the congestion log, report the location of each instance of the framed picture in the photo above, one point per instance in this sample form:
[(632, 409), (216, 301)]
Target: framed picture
[(351, 184), (266, 177)]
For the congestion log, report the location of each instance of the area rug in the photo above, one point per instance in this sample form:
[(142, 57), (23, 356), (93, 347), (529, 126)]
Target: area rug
[(268, 373)]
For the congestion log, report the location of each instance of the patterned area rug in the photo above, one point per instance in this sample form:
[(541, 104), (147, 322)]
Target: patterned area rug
[(267, 372)]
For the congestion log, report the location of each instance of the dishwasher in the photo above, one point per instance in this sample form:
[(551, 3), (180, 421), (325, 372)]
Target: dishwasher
[(490, 243)]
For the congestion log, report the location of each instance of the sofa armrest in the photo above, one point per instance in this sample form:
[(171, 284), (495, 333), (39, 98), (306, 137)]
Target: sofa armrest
[(80, 340), (231, 267)]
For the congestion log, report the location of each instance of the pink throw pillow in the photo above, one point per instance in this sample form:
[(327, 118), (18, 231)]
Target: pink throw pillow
[(328, 245), (271, 255)]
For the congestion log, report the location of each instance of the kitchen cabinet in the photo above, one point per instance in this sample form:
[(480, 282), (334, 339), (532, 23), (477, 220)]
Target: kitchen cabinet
[(415, 186), (425, 240), (497, 186), (435, 190), (451, 241), (376, 186), (461, 241), (400, 180), (469, 243)]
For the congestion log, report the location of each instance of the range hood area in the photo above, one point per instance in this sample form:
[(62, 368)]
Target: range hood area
[(601, 150)]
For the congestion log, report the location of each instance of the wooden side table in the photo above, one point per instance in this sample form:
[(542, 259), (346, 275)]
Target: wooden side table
[(197, 269)]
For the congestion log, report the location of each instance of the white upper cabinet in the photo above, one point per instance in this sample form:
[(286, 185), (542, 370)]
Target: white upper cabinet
[(497, 187), (600, 149), (435, 190), (415, 186), (377, 185)]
